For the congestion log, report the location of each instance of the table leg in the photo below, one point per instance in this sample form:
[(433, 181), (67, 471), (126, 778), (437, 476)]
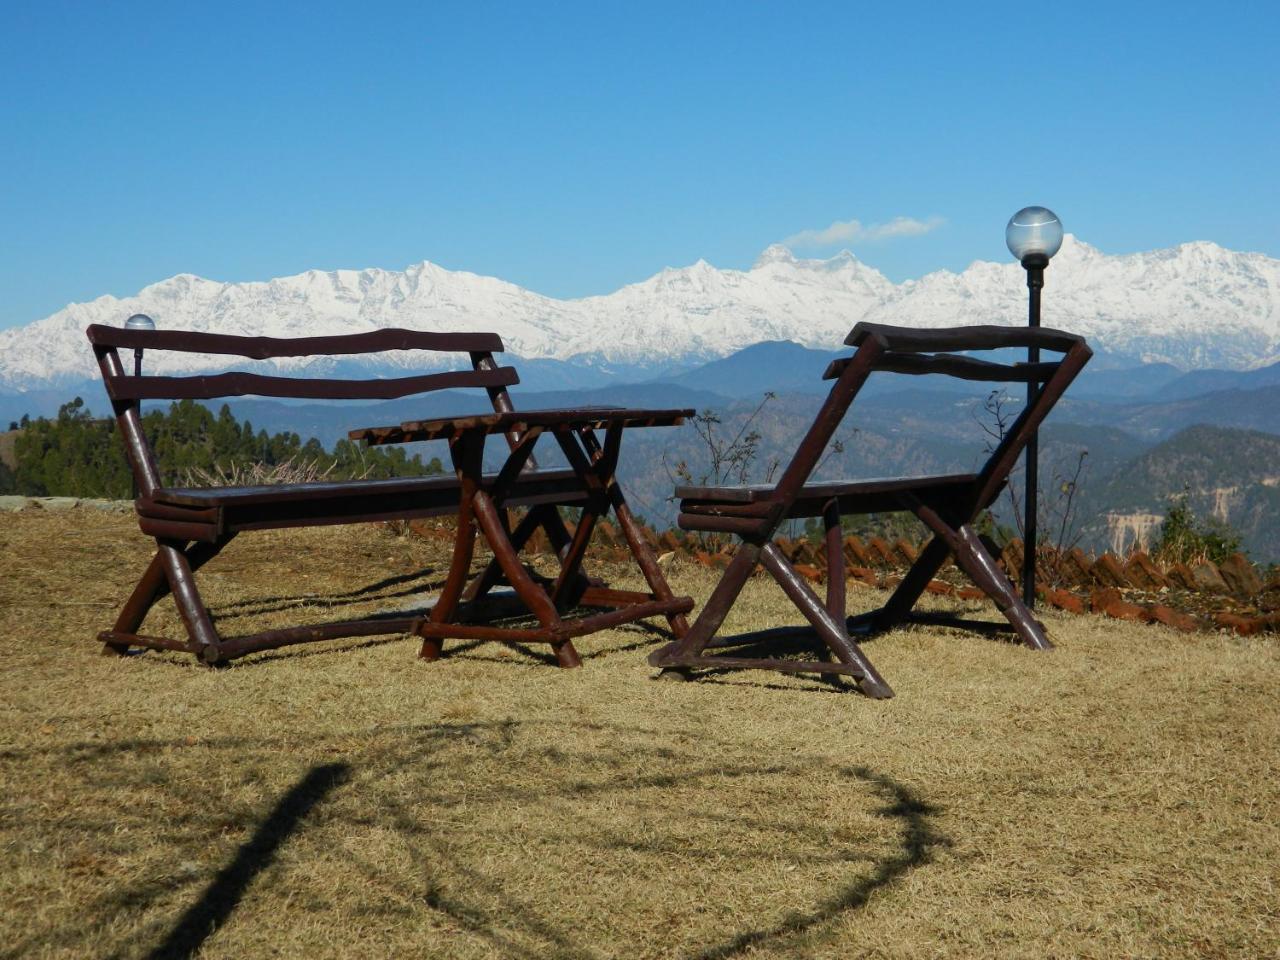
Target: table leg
[(467, 453), (631, 531), (532, 595), (597, 503)]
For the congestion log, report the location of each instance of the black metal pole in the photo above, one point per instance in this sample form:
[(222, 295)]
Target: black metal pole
[(1034, 265), (137, 372)]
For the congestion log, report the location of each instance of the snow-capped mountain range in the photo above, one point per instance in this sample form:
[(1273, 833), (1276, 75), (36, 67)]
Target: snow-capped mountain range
[(1195, 306)]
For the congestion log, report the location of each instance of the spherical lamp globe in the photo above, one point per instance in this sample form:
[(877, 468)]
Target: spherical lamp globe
[(139, 321), (1034, 232)]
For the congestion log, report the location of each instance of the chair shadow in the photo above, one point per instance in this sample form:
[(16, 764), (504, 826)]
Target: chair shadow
[(223, 895), (919, 839), (468, 898)]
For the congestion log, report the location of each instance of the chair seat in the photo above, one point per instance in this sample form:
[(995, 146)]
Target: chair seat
[(854, 496)]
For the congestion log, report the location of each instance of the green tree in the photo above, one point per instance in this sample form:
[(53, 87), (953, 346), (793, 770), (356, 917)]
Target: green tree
[(79, 456)]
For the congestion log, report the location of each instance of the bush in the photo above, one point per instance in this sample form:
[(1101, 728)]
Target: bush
[(1186, 538)]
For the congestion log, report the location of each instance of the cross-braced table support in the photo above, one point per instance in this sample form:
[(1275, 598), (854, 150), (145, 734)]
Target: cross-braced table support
[(458, 612)]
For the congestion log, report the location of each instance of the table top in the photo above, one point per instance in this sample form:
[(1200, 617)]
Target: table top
[(568, 418)]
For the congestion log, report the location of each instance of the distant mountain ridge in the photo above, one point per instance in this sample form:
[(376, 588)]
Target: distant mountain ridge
[(1193, 306)]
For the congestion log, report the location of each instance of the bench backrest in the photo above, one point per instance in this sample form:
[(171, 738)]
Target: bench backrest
[(127, 391), (914, 350)]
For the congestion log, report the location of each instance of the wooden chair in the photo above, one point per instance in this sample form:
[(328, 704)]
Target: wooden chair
[(192, 525), (947, 505)]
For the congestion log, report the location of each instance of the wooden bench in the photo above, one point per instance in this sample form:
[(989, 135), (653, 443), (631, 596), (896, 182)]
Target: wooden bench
[(192, 525)]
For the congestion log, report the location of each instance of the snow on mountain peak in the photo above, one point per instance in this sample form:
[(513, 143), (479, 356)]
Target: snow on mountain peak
[(774, 253), (1194, 305)]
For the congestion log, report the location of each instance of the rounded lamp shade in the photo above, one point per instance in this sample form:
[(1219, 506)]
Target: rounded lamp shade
[(1033, 231), (139, 321)]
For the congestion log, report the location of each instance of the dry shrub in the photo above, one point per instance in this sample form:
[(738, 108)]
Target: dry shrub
[(291, 470)]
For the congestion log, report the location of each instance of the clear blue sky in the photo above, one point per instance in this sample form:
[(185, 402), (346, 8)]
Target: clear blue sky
[(575, 148)]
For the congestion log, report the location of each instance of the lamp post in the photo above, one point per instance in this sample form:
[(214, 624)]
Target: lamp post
[(1033, 235), (139, 321)]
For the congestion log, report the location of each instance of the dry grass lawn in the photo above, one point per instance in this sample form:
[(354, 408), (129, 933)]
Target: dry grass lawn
[(1118, 797)]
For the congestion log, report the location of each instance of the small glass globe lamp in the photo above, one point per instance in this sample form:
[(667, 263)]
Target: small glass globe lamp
[(139, 321), (1035, 233)]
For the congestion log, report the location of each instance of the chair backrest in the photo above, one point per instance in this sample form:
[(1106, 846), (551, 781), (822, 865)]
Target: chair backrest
[(914, 350), (127, 391)]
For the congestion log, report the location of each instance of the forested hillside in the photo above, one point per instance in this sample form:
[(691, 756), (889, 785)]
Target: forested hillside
[(78, 455), (1233, 475)]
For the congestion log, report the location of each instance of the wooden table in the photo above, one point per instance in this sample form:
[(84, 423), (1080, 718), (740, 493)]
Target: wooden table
[(480, 508)]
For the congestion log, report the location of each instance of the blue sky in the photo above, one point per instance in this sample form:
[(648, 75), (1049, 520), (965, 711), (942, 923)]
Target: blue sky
[(574, 148)]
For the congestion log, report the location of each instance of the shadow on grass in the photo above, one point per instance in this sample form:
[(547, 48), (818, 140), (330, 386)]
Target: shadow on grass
[(222, 896), (919, 838), (450, 794), (409, 584)]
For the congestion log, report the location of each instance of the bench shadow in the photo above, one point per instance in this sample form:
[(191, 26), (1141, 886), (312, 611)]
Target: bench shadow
[(259, 605), (224, 893)]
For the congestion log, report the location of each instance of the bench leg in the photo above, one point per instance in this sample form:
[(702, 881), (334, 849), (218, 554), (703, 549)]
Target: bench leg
[(153, 587), (177, 568)]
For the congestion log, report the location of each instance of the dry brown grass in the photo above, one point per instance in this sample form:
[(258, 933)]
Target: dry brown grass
[(1118, 797)]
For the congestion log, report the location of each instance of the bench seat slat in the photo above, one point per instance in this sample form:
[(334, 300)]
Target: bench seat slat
[(331, 490)]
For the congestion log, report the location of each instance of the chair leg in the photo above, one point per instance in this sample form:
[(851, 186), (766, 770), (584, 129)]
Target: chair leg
[(835, 560), (150, 588), (898, 607), (831, 630), (974, 559), (696, 637)]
